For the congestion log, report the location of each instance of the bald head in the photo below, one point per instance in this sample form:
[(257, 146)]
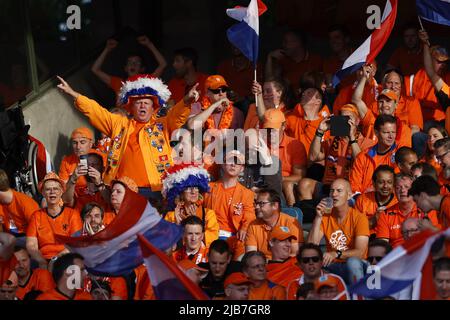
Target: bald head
[(343, 184), (341, 192), (410, 227)]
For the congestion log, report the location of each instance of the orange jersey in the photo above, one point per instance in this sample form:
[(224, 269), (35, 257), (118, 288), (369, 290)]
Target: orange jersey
[(444, 212), (304, 130), (44, 227), (293, 71), (200, 256), (179, 88), (341, 236), (240, 81), (291, 152), (365, 164), (282, 273), (339, 157), (408, 62), (40, 280), (370, 95), (258, 233), (368, 205), (236, 247), (267, 291), (18, 212), (55, 294), (233, 206), (293, 286), (402, 138), (211, 224), (389, 225), (144, 289)]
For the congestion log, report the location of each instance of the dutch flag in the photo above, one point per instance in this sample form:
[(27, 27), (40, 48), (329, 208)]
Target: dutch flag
[(437, 11)]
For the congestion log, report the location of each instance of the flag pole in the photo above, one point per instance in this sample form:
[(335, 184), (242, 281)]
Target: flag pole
[(422, 28), (256, 95)]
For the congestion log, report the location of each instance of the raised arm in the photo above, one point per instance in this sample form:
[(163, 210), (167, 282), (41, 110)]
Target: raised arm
[(257, 91), (316, 152), (97, 66), (435, 79), (316, 233), (359, 90), (197, 121), (162, 63)]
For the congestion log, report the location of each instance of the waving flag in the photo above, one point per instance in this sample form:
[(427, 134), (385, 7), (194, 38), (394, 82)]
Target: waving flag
[(402, 267), (115, 250), (245, 35), (168, 281), (437, 11), (368, 51)]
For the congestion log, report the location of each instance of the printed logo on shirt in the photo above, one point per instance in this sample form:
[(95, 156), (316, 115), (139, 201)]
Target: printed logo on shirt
[(163, 158), (338, 240)]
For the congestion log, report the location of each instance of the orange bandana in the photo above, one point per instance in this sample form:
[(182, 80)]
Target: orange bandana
[(225, 120)]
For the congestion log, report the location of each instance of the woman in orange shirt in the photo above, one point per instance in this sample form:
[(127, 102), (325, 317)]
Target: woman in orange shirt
[(434, 132)]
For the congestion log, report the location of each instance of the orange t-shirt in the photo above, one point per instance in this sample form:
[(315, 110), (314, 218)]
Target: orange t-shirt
[(68, 165), (293, 71), (403, 137), (258, 233), (179, 89), (444, 212), (341, 236), (19, 211), (237, 248), (291, 152), (144, 289), (40, 280), (338, 157), (233, 206), (293, 286), (408, 111), (390, 223), (368, 205), (240, 81), (6, 268), (282, 273), (252, 119), (267, 291), (406, 61), (55, 294), (44, 227), (370, 95), (83, 197), (304, 130), (132, 164), (365, 164), (201, 256)]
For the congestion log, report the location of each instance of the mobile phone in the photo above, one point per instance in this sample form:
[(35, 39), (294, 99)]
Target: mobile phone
[(83, 161), (339, 126)]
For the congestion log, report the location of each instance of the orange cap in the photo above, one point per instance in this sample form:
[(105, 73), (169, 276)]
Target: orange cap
[(237, 278), (439, 53), (273, 119), (82, 132), (389, 94), (326, 281), (281, 233), (51, 176), (128, 182), (215, 82), (348, 107), (187, 264)]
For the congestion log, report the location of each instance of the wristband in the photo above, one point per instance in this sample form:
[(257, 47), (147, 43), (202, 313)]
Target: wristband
[(319, 134), (352, 142), (339, 254)]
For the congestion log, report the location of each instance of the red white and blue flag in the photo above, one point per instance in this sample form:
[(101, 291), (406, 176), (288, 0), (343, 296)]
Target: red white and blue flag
[(168, 281), (437, 11), (368, 51), (245, 34), (408, 264), (115, 250)]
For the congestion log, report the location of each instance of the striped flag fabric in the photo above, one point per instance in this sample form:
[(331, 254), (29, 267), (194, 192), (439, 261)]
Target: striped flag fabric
[(437, 11)]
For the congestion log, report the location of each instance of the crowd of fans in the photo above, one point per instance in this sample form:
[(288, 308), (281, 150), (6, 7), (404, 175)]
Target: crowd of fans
[(307, 230)]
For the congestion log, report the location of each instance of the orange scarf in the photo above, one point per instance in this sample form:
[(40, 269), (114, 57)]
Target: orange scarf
[(225, 120)]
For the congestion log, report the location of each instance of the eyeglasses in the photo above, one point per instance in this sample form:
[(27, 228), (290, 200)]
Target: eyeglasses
[(261, 203), (408, 232), (441, 156), (376, 258), (219, 90), (314, 259)]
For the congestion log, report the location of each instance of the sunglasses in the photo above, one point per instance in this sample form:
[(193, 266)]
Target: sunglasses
[(376, 258), (309, 259), (174, 143), (219, 90)]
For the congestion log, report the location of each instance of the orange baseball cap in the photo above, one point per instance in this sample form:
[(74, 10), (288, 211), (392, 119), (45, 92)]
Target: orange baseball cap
[(237, 278), (128, 182), (51, 176), (389, 94), (439, 53), (273, 119), (281, 233), (215, 82), (348, 107), (187, 264), (326, 281), (82, 132)]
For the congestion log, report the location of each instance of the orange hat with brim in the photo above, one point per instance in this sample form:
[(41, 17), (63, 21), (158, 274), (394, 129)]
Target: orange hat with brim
[(326, 281), (215, 82), (281, 233), (273, 119), (127, 182), (51, 176), (187, 264), (389, 94), (82, 132), (237, 278), (348, 107)]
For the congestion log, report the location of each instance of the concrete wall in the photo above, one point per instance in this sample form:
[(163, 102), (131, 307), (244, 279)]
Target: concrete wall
[(53, 117)]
